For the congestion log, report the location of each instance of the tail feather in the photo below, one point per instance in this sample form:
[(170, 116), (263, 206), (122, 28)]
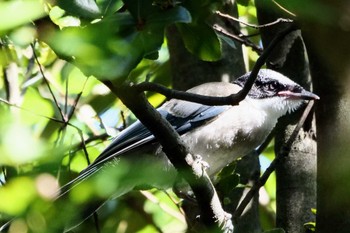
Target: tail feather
[(84, 175)]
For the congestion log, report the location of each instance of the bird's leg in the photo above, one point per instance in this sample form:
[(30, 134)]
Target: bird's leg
[(199, 166)]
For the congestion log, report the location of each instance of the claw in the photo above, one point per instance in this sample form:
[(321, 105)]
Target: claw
[(199, 166)]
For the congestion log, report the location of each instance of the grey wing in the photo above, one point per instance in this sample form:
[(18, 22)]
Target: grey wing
[(182, 115)]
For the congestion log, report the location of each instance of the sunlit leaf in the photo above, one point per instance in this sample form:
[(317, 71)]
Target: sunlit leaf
[(57, 15), (19, 145), (166, 214), (16, 13), (84, 8), (108, 7), (18, 193), (41, 108), (111, 48), (310, 226), (23, 36), (95, 49)]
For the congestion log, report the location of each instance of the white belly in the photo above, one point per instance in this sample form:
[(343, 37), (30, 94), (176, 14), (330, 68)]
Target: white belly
[(235, 135)]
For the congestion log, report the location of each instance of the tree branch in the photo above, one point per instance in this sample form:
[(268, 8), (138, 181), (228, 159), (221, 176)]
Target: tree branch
[(232, 99), (284, 152), (243, 40), (173, 147), (277, 21), (48, 84), (132, 96)]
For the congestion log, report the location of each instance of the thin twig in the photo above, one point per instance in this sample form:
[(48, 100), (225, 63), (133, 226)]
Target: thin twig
[(267, 141), (173, 146), (262, 59), (66, 97), (47, 83), (277, 21), (103, 136), (54, 120), (232, 99), (284, 9), (33, 113), (80, 132), (246, 42), (122, 115), (287, 147), (76, 100), (171, 93), (164, 207), (285, 151), (97, 222), (175, 202)]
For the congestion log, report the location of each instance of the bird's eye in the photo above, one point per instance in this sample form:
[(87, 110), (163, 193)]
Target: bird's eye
[(272, 86)]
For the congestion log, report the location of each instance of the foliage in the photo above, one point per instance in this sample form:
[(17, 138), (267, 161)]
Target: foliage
[(56, 115)]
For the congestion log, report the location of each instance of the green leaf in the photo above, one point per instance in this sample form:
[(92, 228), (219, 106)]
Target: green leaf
[(100, 49), (310, 226), (200, 10), (59, 17), (108, 7), (228, 40), (23, 36), (228, 183), (140, 9), (112, 47), (83, 8), (314, 211), (201, 40), (228, 170), (18, 193), (151, 35), (16, 13)]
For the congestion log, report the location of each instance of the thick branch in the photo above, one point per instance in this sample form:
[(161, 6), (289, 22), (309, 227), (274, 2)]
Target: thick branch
[(285, 151), (176, 151), (171, 142)]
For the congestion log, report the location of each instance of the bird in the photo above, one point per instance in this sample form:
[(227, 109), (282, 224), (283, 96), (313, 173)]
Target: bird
[(218, 134)]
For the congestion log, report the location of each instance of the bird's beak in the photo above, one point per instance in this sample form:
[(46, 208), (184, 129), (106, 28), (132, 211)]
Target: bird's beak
[(306, 95)]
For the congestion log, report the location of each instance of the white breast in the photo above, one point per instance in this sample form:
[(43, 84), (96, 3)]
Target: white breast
[(233, 134)]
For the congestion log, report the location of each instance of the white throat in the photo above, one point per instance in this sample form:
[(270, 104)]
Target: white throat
[(275, 106)]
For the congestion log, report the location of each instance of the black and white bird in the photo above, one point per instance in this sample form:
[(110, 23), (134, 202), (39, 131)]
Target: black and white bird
[(219, 134)]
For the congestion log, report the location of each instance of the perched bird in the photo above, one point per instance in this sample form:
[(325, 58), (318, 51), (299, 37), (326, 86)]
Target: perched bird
[(219, 134)]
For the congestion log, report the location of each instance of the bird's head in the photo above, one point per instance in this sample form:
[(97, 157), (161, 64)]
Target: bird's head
[(275, 92)]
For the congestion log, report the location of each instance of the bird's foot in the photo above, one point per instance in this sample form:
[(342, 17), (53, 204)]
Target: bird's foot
[(226, 224), (199, 166)]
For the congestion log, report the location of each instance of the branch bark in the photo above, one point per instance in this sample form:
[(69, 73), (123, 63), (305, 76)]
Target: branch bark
[(212, 214), (209, 204), (327, 45), (296, 174)]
